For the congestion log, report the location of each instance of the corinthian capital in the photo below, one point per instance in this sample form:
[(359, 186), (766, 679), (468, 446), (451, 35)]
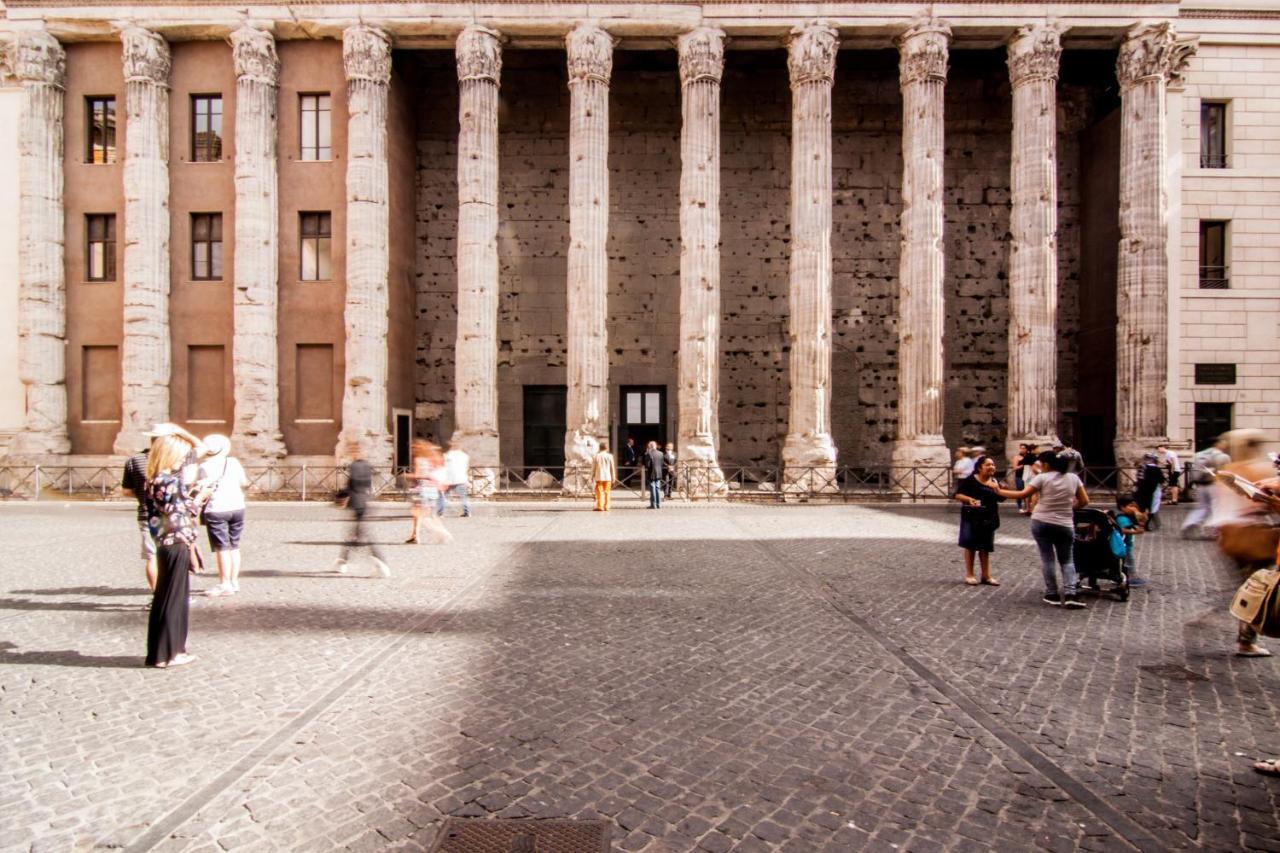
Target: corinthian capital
[(1034, 52), (479, 54), (590, 53), (146, 56), (811, 53), (35, 57), (366, 54), (922, 53), (701, 55), (254, 52), (1153, 51)]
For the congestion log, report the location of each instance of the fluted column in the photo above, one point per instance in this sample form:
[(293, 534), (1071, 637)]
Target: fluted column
[(144, 358), (255, 352), (590, 52), (1149, 57), (1033, 252), (479, 58), (38, 62), (701, 67), (923, 78), (366, 56), (809, 454)]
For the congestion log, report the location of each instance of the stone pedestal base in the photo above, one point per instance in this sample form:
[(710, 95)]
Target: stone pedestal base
[(928, 453), (809, 463), (36, 446), (1040, 442), (1129, 451)]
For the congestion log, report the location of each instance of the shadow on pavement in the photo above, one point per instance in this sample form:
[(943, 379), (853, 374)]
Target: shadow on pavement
[(66, 657)]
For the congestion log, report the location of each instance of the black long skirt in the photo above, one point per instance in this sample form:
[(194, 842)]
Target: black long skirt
[(167, 626)]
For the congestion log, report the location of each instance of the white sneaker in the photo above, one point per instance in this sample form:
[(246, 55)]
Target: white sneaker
[(235, 586), (383, 568), (341, 566), (217, 590)]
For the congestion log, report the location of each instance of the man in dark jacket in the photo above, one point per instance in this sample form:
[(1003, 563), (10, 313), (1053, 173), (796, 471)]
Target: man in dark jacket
[(357, 492), (653, 465)]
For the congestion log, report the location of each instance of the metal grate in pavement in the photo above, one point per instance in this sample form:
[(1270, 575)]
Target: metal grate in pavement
[(478, 835), (1172, 672)]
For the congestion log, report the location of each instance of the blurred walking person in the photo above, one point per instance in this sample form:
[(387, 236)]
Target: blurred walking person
[(225, 482), (603, 471), (1203, 466), (356, 494), (456, 480), (1149, 488), (173, 512)]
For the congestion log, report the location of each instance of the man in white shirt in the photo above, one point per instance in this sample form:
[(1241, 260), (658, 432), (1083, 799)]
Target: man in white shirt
[(1170, 461), (457, 478)]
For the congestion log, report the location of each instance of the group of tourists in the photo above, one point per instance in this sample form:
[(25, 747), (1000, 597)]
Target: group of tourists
[(657, 467)]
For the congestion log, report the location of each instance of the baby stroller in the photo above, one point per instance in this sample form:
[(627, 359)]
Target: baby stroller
[(1095, 561)]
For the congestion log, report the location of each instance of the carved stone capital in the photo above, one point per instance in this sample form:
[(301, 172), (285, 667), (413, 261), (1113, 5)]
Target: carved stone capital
[(1153, 52), (701, 54), (146, 56), (254, 52), (35, 57), (590, 53), (366, 54), (1034, 52), (922, 53), (811, 53), (479, 54)]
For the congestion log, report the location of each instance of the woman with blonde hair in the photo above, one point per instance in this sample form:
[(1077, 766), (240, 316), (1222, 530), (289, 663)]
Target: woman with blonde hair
[(173, 526), (428, 468)]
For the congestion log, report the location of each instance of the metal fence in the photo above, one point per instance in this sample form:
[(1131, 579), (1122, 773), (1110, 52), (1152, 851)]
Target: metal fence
[(689, 481)]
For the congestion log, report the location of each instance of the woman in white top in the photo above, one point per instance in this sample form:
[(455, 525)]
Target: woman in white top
[(222, 478), (1053, 527)]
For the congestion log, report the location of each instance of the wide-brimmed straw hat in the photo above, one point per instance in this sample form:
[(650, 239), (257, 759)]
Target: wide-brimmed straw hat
[(216, 445)]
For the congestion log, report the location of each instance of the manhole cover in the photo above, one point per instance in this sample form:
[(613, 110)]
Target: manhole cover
[(466, 835), (1172, 672)]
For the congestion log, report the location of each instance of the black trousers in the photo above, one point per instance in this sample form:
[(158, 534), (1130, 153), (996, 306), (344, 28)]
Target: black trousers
[(359, 535), (170, 606)]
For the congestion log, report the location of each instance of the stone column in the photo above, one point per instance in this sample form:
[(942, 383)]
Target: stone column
[(590, 52), (144, 359), (255, 366), (479, 57), (923, 78), (366, 55), (809, 454), (1149, 57), (701, 67), (38, 63), (1033, 252)]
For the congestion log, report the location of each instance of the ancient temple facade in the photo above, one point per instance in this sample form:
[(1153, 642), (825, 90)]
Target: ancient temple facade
[(856, 239)]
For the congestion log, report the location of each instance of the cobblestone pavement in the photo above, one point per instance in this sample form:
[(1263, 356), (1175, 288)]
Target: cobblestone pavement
[(707, 678)]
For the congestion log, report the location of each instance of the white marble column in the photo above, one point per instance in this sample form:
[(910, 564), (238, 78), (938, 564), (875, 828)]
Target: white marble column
[(255, 365), (590, 51), (145, 355), (366, 55), (923, 78), (1033, 252), (479, 58), (1149, 57), (701, 54), (809, 454), (38, 63)]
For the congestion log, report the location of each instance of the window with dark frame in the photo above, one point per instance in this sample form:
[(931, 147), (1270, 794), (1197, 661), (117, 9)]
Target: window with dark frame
[(100, 122), (316, 229), (1215, 374), (1214, 274), (206, 128), (1213, 135), (100, 255), (316, 140), (206, 246)]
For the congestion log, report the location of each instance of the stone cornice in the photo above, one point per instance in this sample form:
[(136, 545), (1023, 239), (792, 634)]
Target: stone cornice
[(1153, 52), (923, 51), (254, 53), (590, 52), (1034, 52), (811, 53), (145, 56), (366, 54), (479, 54), (701, 54), (35, 57)]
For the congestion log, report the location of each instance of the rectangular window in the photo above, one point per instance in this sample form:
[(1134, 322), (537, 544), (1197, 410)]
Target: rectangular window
[(206, 383), (100, 124), (317, 239), (100, 259), (100, 384), (316, 140), (206, 246), (1215, 374), (1213, 255), (1212, 420), (1213, 135), (314, 382), (206, 128)]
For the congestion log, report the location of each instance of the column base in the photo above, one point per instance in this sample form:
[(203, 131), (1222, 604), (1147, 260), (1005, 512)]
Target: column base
[(579, 448), (480, 447), (1046, 441), (375, 447), (130, 440), (922, 466), (809, 464), (1129, 451), (36, 445), (263, 449)]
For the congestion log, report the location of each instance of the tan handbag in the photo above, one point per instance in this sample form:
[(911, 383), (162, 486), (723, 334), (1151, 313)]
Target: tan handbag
[(1257, 602), (1249, 544)]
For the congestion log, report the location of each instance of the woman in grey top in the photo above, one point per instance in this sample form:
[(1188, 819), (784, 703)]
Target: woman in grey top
[(1053, 527)]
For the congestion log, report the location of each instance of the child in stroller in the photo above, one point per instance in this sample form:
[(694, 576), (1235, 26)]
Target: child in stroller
[(1095, 559)]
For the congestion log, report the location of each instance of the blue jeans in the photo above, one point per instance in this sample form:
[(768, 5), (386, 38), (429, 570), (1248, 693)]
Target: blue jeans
[(1055, 540), (458, 488), (655, 493)]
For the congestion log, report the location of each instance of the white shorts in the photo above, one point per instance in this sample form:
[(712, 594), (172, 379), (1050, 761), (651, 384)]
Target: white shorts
[(148, 544)]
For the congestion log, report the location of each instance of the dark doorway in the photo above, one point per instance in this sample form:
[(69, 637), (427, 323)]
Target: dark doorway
[(403, 435), (1212, 420), (544, 425), (643, 414)]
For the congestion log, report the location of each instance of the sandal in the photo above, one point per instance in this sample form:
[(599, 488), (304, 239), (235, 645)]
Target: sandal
[(1253, 650), (970, 581), (991, 582), (181, 659), (1269, 768)]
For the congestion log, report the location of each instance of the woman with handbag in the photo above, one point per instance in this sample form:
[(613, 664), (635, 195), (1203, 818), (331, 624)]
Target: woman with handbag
[(173, 526), (979, 519), (223, 514)]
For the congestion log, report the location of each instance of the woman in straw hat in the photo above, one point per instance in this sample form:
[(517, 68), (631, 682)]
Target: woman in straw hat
[(225, 482)]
